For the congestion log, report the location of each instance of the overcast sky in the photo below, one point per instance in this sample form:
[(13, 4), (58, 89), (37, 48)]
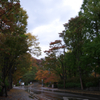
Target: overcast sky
[(46, 18)]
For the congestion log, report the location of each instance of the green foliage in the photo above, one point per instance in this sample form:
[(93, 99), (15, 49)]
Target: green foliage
[(75, 83), (60, 85), (72, 85), (13, 42), (91, 82), (6, 82), (29, 76), (73, 80), (33, 44), (82, 38), (92, 53)]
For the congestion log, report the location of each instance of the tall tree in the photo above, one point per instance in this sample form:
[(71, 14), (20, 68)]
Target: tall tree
[(90, 11), (55, 59), (74, 39), (12, 28)]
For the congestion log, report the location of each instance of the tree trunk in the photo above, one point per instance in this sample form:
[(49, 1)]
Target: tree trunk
[(4, 91), (10, 80), (64, 82), (64, 79), (1, 92), (81, 82), (4, 88)]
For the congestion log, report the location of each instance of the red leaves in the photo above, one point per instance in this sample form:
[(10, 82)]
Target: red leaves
[(47, 76), (61, 34), (66, 25), (55, 47), (47, 51), (17, 5), (55, 42), (63, 46), (2, 11)]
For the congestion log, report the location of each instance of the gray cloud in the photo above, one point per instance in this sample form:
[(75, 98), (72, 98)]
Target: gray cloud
[(46, 17), (44, 11)]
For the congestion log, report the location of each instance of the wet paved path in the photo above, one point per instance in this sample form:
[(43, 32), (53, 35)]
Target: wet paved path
[(58, 94), (17, 94), (51, 95), (43, 93)]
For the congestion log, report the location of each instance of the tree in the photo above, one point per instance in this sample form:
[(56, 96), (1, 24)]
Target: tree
[(74, 39), (29, 76), (47, 76), (56, 59), (90, 11), (14, 42), (8, 13), (92, 53), (12, 28), (71, 65), (22, 65)]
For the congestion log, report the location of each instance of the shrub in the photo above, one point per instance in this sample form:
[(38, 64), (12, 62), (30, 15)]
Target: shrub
[(73, 80), (60, 86), (72, 85), (91, 82)]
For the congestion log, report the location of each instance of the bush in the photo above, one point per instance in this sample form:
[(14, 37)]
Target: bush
[(60, 86), (73, 80), (72, 85), (91, 82)]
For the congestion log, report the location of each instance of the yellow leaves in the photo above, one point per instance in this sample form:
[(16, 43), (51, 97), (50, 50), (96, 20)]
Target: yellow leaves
[(16, 76), (31, 39), (33, 44), (39, 75)]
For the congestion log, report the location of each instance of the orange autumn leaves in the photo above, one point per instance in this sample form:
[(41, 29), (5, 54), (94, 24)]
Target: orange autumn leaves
[(47, 76)]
